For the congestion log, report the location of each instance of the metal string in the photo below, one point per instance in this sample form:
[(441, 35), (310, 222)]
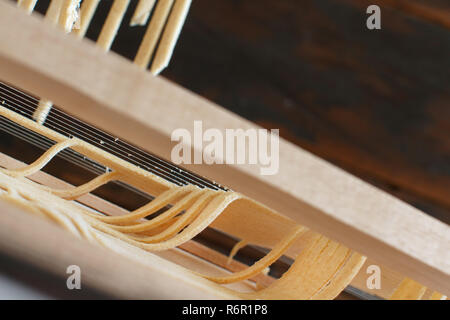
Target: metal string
[(58, 120)]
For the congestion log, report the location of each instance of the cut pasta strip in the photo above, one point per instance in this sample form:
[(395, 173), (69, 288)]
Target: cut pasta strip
[(42, 111), (142, 12), (238, 246), (27, 5), (341, 279), (64, 13), (53, 11), (158, 229), (152, 34), (68, 14), (217, 258), (170, 36), (263, 263), (88, 8), (158, 203), (93, 184), (181, 205), (408, 290), (41, 161), (437, 296), (213, 209), (311, 272), (112, 24), (184, 220)]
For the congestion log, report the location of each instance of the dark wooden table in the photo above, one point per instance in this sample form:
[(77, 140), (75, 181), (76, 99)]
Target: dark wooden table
[(376, 103)]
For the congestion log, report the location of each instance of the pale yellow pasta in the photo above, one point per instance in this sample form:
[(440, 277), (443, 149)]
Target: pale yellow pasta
[(142, 12)]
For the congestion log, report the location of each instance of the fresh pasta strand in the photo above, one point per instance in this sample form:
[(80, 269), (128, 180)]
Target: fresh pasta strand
[(41, 161), (88, 8), (408, 290), (27, 5), (68, 14), (53, 11), (170, 35), (262, 264), (152, 34), (112, 24), (142, 12)]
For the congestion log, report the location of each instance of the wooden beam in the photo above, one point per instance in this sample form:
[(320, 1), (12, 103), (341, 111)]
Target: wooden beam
[(118, 97)]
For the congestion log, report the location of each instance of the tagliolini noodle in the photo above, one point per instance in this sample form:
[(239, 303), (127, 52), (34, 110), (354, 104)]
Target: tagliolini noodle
[(142, 12)]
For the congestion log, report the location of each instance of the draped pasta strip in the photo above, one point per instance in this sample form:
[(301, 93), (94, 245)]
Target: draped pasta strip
[(153, 33), (182, 222), (88, 8), (165, 217), (27, 5), (42, 161), (68, 14), (238, 246), (408, 290), (77, 192), (112, 24), (157, 44), (163, 200), (260, 265), (53, 11), (42, 111)]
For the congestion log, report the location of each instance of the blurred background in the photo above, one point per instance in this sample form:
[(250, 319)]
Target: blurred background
[(373, 102)]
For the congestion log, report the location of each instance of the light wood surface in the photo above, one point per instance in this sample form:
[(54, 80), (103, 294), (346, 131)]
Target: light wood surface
[(143, 109)]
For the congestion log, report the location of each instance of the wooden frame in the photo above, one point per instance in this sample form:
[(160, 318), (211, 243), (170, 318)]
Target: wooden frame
[(93, 85)]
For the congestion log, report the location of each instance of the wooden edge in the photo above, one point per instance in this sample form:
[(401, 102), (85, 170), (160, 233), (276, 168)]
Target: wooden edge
[(146, 110)]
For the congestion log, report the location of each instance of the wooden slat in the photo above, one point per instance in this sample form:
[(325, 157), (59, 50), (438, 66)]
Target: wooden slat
[(146, 110)]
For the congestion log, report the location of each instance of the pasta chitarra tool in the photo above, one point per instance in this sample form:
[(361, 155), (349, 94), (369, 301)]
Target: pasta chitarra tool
[(153, 229)]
